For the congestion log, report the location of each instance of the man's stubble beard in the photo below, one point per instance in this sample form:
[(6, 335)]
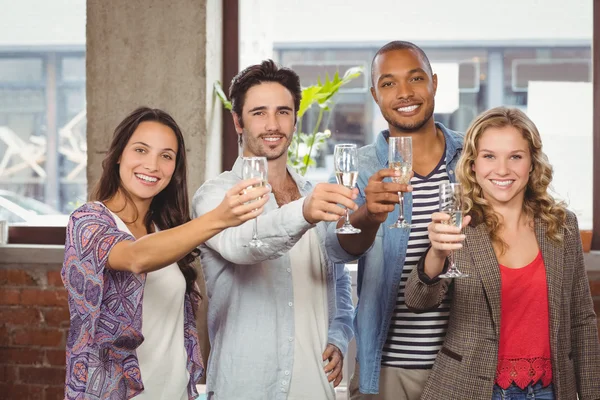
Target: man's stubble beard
[(260, 146), (415, 126)]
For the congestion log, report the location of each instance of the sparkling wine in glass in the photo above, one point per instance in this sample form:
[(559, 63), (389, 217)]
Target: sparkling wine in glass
[(451, 203), (400, 159), (255, 167), (345, 160)]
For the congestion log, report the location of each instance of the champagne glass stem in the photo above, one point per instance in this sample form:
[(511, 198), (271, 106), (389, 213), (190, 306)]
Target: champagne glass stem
[(401, 211), (451, 266), (347, 223), (255, 230)]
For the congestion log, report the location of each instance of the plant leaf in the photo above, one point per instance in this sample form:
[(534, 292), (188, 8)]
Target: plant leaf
[(352, 73), (308, 98), (221, 95)]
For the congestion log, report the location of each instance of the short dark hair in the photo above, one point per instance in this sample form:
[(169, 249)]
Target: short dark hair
[(400, 45), (267, 71)]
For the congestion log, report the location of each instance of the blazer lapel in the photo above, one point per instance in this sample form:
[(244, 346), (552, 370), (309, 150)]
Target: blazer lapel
[(486, 266), (553, 261)]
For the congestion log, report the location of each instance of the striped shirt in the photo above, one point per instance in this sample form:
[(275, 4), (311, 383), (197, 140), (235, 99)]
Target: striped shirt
[(414, 340)]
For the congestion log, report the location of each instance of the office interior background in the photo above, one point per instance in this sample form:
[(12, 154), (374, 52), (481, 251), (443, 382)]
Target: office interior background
[(70, 70)]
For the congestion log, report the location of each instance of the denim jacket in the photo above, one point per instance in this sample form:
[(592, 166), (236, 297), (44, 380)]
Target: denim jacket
[(250, 306), (380, 267)]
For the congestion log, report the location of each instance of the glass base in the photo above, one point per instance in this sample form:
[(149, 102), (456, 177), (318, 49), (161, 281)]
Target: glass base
[(400, 225), (453, 273), (255, 243), (347, 230)]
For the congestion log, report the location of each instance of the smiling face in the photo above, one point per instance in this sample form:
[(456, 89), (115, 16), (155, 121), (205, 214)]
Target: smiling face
[(404, 89), (148, 160), (502, 166), (267, 123)]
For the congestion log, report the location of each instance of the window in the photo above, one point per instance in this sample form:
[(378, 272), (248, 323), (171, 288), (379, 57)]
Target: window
[(42, 113), (532, 65)]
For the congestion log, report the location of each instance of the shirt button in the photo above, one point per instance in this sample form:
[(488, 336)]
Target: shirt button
[(290, 304), (284, 383), (451, 172), (290, 339), (283, 389), (287, 373), (289, 270)]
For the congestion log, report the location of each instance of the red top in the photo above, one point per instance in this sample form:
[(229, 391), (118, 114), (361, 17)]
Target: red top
[(524, 349)]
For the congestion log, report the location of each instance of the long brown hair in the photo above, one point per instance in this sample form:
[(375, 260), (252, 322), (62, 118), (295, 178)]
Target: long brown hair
[(170, 207), (537, 202)]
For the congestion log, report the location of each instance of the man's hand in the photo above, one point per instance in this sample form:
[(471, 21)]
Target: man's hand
[(336, 361), (382, 197), (323, 202)]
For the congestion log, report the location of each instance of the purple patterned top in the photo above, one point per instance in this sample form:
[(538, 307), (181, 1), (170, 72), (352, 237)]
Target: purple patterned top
[(106, 314)]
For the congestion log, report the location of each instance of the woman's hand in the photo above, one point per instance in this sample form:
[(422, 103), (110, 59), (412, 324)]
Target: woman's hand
[(444, 238), (243, 202)]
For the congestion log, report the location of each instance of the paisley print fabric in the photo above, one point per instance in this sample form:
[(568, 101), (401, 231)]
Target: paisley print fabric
[(106, 314)]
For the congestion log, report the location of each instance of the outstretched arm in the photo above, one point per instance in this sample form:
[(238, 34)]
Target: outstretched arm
[(160, 249), (279, 228)]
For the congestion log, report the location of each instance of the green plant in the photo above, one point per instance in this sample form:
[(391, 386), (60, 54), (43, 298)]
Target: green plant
[(221, 95), (304, 146)]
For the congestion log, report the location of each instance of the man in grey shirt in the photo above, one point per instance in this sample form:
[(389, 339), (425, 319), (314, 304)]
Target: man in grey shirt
[(279, 316)]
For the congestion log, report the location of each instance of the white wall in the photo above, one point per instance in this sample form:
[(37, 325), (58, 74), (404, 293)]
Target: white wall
[(214, 72), (62, 22), (567, 136), (42, 22), (431, 20), (256, 31)]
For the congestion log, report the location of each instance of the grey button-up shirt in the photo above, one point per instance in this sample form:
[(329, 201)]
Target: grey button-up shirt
[(250, 297)]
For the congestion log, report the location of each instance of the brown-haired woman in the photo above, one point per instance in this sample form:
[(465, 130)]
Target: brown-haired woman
[(522, 325), (128, 268)]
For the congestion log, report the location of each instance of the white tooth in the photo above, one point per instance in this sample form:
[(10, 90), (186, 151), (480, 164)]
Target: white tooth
[(146, 178), (408, 109)]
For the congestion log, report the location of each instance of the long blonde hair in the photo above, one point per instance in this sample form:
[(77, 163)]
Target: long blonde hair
[(537, 202)]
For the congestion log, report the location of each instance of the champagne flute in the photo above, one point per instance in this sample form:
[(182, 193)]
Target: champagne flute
[(400, 159), (345, 160), (255, 167), (451, 203)]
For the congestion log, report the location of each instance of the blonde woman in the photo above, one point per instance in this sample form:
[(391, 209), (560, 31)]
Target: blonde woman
[(522, 325)]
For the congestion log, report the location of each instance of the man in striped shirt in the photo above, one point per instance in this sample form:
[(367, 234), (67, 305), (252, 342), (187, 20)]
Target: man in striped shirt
[(397, 348)]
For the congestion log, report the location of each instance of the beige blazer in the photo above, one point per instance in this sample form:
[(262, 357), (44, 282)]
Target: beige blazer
[(465, 367)]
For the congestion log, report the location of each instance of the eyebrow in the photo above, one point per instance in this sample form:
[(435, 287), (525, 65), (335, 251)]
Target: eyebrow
[(384, 76), (147, 145), (262, 108), (514, 151), (412, 71)]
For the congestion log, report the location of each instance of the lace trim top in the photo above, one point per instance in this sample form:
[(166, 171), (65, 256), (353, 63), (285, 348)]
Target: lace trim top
[(523, 371), (524, 347)]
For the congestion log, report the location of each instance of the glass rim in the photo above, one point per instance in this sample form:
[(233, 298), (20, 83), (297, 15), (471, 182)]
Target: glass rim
[(399, 138), (254, 158), (450, 184), (349, 145)]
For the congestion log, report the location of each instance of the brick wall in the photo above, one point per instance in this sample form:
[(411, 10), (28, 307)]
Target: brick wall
[(34, 320), (33, 326)]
